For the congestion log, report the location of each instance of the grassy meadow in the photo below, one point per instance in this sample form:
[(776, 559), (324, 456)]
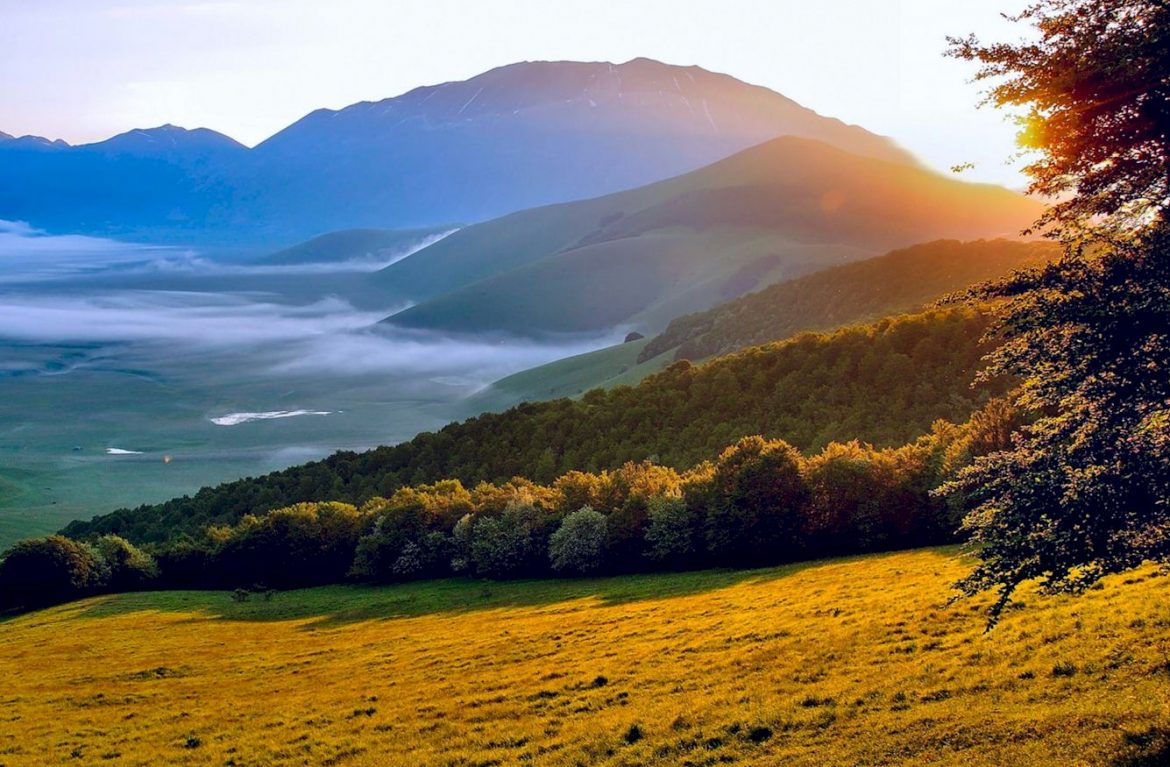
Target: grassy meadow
[(856, 661)]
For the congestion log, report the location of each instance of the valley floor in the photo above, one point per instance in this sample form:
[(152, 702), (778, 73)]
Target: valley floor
[(856, 661)]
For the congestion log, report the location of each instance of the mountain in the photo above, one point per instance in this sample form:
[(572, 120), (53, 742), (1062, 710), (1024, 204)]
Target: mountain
[(129, 185), (170, 141), (640, 258), (515, 137)]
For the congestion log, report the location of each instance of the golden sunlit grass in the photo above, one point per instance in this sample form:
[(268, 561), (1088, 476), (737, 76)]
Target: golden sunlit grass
[(849, 662)]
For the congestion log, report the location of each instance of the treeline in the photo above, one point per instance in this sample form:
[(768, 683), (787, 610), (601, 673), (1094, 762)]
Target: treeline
[(761, 502), (883, 384), (897, 282)]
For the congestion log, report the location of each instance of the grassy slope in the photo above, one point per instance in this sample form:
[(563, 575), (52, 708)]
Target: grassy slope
[(348, 244), (846, 662), (896, 282), (568, 377), (781, 209)]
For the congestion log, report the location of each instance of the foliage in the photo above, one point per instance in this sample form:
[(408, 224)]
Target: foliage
[(409, 538), (752, 504), (48, 570), (1084, 490), (578, 544), (884, 383), (302, 545), (128, 568), (509, 545), (1094, 87), (761, 502), (670, 531)]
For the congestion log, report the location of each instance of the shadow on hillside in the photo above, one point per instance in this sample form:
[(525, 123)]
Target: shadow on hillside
[(1148, 749), (332, 606)]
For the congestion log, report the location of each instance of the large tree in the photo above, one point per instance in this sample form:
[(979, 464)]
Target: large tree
[(1085, 490)]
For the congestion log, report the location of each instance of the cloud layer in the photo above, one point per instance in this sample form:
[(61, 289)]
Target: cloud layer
[(327, 337)]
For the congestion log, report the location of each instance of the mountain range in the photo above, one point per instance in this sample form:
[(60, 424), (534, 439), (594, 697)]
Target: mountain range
[(515, 137)]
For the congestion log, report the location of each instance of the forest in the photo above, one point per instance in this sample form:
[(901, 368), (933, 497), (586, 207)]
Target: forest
[(760, 502), (883, 384)]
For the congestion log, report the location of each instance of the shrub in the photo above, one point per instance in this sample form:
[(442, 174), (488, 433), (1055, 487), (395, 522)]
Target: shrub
[(578, 544)]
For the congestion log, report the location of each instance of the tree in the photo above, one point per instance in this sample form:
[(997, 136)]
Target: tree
[(303, 545), (1083, 491), (45, 571), (1094, 88), (578, 544), (128, 568), (508, 545), (753, 504), (670, 534)]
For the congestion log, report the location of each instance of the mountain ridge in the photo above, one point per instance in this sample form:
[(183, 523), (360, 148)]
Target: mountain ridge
[(515, 137), (641, 257)]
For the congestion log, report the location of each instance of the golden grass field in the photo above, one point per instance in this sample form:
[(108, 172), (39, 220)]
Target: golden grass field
[(852, 662)]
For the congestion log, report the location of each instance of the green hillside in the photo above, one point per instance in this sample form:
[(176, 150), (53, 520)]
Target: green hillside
[(776, 211), (353, 244), (568, 377), (884, 383), (896, 282)]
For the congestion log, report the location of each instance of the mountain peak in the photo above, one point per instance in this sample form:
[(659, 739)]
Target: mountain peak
[(637, 98), (167, 138)]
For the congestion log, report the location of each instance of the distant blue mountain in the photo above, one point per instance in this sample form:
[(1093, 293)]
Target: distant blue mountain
[(512, 138)]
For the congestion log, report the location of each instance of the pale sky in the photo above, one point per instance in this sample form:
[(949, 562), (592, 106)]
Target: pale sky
[(84, 70)]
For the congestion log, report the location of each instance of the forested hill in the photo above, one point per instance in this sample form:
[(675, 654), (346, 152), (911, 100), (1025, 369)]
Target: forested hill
[(883, 383), (897, 282)]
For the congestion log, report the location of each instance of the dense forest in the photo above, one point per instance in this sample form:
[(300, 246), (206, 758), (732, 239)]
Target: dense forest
[(884, 384), (897, 282), (760, 502)]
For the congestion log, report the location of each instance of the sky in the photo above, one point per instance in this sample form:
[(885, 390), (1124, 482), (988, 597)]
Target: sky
[(84, 70)]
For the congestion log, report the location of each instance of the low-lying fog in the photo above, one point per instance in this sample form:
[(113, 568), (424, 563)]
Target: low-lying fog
[(115, 356)]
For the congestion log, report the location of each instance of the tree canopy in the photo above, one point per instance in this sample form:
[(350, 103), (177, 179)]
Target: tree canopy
[(1094, 89), (1084, 490)]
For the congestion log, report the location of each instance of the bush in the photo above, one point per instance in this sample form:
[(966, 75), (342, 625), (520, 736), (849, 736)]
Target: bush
[(45, 571), (578, 544)]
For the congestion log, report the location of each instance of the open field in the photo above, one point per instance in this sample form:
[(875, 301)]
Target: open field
[(849, 662)]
